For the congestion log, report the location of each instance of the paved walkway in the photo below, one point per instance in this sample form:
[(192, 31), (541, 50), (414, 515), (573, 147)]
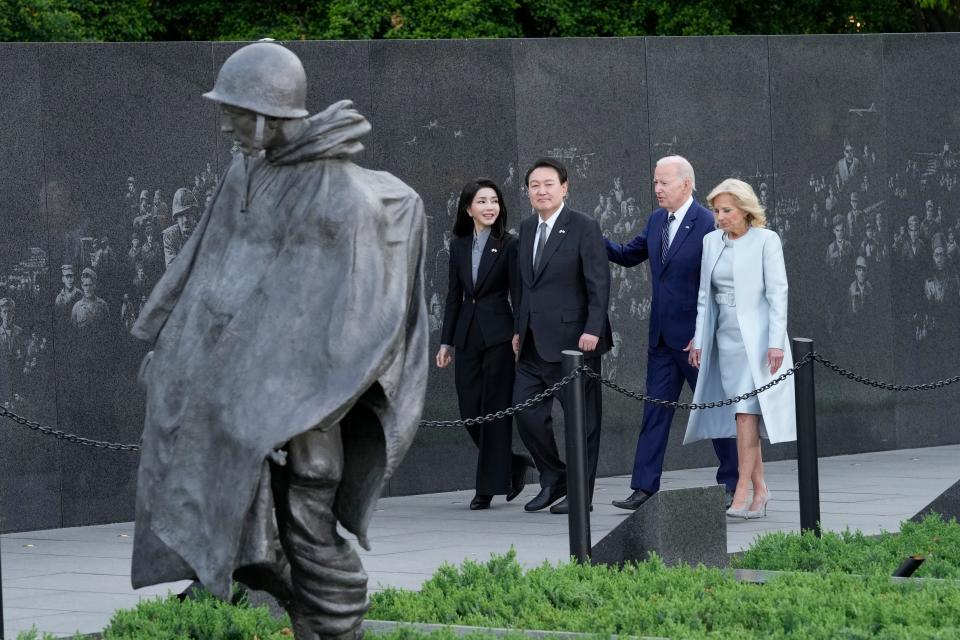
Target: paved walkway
[(66, 580)]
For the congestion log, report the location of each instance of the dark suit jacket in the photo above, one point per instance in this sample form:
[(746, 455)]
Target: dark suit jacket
[(485, 303), (569, 293), (676, 282)]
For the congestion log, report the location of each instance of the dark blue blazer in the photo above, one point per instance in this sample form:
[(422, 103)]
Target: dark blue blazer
[(676, 282)]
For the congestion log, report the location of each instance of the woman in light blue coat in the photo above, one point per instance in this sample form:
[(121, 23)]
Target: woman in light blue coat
[(741, 339)]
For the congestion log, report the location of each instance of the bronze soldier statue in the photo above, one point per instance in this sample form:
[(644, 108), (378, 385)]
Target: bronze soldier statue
[(290, 360)]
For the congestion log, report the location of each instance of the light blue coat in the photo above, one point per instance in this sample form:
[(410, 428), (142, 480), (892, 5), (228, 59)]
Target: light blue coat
[(760, 284)]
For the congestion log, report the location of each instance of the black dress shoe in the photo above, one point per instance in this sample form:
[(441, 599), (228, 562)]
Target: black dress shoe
[(727, 499), (480, 501), (563, 507), (518, 478), (636, 499), (546, 497)]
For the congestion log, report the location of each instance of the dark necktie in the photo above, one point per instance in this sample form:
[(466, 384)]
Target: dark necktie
[(541, 243), (665, 238)]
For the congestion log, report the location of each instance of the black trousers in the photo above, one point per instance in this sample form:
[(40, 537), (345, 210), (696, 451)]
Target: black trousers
[(484, 379), (534, 374)]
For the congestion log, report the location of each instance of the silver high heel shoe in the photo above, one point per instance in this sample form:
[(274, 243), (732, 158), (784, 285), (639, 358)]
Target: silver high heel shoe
[(738, 512), (762, 511)]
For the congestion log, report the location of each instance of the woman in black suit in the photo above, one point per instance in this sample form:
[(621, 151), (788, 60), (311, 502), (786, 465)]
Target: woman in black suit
[(478, 323)]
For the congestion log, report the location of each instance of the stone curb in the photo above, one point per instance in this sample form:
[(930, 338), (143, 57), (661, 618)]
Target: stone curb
[(385, 626)]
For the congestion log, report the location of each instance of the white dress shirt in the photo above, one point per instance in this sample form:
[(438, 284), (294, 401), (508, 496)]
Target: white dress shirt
[(552, 220), (679, 213)]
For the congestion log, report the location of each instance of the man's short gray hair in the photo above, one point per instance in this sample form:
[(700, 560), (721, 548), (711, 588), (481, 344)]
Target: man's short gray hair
[(684, 168)]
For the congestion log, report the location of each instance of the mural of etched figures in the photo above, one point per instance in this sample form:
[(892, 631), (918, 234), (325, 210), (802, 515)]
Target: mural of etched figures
[(844, 230)]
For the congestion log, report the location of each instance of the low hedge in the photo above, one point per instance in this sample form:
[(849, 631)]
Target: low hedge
[(820, 600), (938, 541), (650, 599)]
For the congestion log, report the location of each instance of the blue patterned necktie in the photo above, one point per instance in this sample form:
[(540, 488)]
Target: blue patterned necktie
[(665, 238)]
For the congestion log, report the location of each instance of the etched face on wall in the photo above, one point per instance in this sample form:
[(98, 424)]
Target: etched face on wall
[(89, 286)]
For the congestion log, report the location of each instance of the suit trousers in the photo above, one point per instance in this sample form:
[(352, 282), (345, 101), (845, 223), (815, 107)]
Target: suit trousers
[(484, 379), (329, 585), (666, 370), (534, 374)]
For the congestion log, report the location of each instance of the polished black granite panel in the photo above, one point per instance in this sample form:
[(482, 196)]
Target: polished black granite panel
[(30, 479), (827, 112), (94, 126), (124, 127), (921, 140)]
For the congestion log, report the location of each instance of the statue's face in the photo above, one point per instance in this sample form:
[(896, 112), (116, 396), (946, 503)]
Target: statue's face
[(68, 280), (241, 125), (89, 286)]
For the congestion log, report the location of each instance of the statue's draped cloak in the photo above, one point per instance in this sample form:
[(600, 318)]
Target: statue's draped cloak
[(298, 296)]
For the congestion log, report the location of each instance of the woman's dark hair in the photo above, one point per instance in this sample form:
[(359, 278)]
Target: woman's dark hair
[(463, 225)]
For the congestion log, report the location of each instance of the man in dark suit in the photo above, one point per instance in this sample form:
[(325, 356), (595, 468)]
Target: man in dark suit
[(673, 243), (564, 289)]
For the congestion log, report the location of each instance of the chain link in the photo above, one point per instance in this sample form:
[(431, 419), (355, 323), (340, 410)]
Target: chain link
[(702, 405), (880, 384), (547, 393), (526, 404), (63, 435)]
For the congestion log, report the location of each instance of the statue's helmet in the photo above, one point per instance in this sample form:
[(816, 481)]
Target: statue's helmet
[(183, 200), (263, 77)]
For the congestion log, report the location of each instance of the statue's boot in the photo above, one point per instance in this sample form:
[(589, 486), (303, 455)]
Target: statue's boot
[(304, 630)]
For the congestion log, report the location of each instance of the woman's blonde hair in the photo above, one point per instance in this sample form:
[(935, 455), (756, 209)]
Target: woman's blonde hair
[(746, 200)]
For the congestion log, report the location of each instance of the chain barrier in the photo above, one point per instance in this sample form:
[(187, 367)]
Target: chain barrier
[(880, 384), (547, 393), (63, 435), (526, 404), (702, 405)]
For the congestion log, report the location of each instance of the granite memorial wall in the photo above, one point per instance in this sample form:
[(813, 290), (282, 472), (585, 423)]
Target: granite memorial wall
[(849, 141)]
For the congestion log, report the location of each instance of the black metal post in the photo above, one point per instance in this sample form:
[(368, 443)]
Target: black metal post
[(578, 517), (908, 566), (808, 474)]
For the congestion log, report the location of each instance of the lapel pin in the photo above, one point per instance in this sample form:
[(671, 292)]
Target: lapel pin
[(562, 231), (493, 250), (686, 227)]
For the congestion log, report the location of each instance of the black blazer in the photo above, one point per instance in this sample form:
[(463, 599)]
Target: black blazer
[(569, 294), (485, 303)]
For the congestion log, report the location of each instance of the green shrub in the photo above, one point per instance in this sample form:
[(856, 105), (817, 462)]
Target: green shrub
[(201, 617), (678, 602), (853, 552)]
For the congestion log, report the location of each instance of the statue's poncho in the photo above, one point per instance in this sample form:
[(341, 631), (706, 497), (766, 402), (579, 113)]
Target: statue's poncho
[(298, 296)]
